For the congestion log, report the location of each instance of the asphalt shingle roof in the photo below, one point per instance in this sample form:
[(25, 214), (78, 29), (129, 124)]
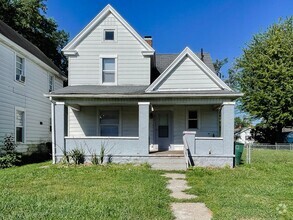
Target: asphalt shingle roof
[(17, 38), (164, 60), (92, 89)]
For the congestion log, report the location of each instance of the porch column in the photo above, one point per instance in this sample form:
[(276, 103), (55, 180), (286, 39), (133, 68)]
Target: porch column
[(143, 126), (227, 127), (59, 128)]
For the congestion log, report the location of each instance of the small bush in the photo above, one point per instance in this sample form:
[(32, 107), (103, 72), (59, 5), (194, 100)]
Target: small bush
[(9, 160), (77, 156), (9, 157), (9, 144)]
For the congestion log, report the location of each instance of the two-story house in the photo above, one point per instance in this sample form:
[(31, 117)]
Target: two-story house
[(25, 75), (137, 103)]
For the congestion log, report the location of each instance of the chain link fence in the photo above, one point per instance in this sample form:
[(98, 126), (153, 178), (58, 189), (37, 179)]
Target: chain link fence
[(277, 146), (249, 147)]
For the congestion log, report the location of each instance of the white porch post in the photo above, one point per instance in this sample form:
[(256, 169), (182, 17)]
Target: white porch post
[(59, 128), (227, 127), (143, 126)]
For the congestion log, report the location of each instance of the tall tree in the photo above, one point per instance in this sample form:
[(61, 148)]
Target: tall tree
[(265, 76), (28, 17), (218, 64)]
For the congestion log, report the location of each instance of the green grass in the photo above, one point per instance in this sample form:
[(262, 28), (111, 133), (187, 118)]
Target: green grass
[(248, 191), (45, 191)]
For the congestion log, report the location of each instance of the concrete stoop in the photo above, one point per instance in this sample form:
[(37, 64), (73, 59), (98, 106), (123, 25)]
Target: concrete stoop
[(167, 161)]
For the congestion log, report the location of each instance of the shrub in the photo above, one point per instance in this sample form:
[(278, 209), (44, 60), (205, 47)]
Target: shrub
[(77, 156), (9, 160), (9, 157)]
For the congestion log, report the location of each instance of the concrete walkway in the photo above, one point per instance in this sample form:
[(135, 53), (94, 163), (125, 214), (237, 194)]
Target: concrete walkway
[(177, 184)]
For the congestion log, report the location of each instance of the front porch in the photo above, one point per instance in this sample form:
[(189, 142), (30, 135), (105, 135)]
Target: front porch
[(134, 130)]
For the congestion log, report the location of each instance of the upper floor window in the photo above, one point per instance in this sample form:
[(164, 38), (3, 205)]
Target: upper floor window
[(109, 70), (109, 35), (192, 120), (51, 83), (19, 69)]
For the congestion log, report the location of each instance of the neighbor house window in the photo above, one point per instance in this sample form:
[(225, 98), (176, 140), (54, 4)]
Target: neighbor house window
[(109, 123), (192, 119), (51, 83), (19, 126), (19, 69), (108, 70), (109, 35)]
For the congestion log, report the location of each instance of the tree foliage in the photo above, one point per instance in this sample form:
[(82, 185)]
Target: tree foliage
[(242, 122), (28, 17), (218, 64), (265, 76)]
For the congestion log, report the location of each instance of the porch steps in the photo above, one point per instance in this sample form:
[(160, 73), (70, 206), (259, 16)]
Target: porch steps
[(167, 160)]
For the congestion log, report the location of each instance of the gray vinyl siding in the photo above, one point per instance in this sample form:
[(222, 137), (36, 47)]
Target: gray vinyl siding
[(188, 75), (133, 67), (86, 122), (207, 116), (28, 96)]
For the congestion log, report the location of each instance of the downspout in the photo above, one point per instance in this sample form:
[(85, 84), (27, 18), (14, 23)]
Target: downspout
[(53, 131)]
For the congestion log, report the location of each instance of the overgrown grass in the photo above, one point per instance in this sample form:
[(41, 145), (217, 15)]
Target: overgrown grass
[(45, 191), (249, 191)]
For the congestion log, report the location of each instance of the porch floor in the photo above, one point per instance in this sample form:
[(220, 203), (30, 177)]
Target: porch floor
[(167, 153)]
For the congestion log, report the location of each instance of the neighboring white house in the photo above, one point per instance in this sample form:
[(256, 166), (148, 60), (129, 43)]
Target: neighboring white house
[(124, 95), (25, 75), (244, 135)]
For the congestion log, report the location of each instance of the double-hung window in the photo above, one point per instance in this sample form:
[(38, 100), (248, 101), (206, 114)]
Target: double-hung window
[(51, 83), (19, 69), (109, 123), (19, 125), (192, 120), (109, 71)]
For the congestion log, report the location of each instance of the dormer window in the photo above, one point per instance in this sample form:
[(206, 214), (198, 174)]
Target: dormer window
[(109, 35)]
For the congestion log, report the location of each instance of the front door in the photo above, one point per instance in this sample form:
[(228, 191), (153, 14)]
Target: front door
[(162, 128)]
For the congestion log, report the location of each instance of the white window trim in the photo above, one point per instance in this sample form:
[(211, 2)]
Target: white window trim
[(24, 68), (101, 69), (187, 118), (115, 35), (99, 109), (50, 75), (24, 125)]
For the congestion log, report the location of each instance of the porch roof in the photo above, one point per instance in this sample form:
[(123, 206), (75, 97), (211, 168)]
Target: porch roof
[(95, 91)]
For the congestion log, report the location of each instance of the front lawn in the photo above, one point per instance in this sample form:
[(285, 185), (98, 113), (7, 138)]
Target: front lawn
[(248, 191), (45, 191)]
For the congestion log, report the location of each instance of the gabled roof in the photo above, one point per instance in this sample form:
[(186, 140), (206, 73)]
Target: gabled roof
[(18, 39), (164, 60), (69, 49), (188, 53)]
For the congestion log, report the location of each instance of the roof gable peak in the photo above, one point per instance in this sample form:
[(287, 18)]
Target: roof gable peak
[(187, 52), (70, 48)]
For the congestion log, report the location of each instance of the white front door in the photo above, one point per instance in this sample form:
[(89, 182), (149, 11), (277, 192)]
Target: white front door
[(163, 129)]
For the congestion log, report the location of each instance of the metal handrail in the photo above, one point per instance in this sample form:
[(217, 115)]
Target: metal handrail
[(185, 150)]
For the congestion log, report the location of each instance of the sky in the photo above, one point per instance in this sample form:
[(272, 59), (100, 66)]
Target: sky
[(220, 27)]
